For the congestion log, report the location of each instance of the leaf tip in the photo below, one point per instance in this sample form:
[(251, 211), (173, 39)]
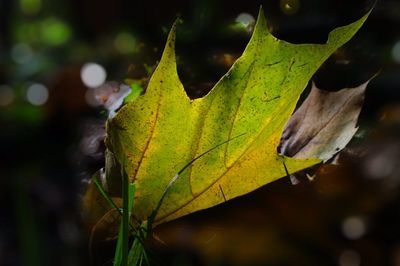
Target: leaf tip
[(169, 49), (261, 12), (172, 36), (261, 22), (345, 33)]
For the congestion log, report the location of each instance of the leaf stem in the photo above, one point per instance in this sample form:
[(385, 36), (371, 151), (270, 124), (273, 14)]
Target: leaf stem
[(125, 219)]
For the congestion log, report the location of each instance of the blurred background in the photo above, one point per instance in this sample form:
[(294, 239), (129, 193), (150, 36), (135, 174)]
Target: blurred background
[(54, 56)]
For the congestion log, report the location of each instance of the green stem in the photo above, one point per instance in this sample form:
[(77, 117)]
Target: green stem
[(125, 219)]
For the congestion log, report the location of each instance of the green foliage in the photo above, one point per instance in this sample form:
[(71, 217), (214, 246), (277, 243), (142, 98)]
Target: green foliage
[(136, 90), (121, 251), (136, 254)]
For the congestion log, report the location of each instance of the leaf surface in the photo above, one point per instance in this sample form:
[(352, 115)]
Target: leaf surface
[(156, 135)]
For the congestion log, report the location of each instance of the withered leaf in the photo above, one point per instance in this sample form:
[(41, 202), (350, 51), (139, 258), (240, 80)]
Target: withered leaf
[(324, 123)]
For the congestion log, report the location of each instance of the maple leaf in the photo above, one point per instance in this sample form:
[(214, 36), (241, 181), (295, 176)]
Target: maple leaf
[(324, 123), (233, 132)]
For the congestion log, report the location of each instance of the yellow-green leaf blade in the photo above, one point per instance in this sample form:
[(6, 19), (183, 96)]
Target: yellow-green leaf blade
[(156, 135)]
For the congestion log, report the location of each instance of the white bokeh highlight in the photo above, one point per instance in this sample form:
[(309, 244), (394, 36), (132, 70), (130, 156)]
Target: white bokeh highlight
[(245, 19), (93, 75), (353, 227), (37, 94)]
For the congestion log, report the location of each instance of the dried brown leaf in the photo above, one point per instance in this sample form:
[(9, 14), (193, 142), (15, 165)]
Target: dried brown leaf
[(324, 123)]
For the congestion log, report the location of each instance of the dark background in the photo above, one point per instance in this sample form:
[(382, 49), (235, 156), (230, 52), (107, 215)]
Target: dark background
[(44, 166)]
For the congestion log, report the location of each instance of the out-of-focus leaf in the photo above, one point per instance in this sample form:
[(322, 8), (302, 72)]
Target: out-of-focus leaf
[(324, 123), (99, 214), (136, 90), (111, 95)]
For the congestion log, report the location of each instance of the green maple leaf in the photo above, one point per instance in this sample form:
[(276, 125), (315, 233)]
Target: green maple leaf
[(242, 118)]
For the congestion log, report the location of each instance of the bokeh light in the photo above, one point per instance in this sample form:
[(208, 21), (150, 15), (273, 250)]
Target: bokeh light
[(93, 75), (353, 227), (54, 31), (245, 19), (30, 7), (381, 165), (37, 94), (6, 95), (21, 53), (125, 43), (396, 52), (27, 32), (349, 258), (289, 7)]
